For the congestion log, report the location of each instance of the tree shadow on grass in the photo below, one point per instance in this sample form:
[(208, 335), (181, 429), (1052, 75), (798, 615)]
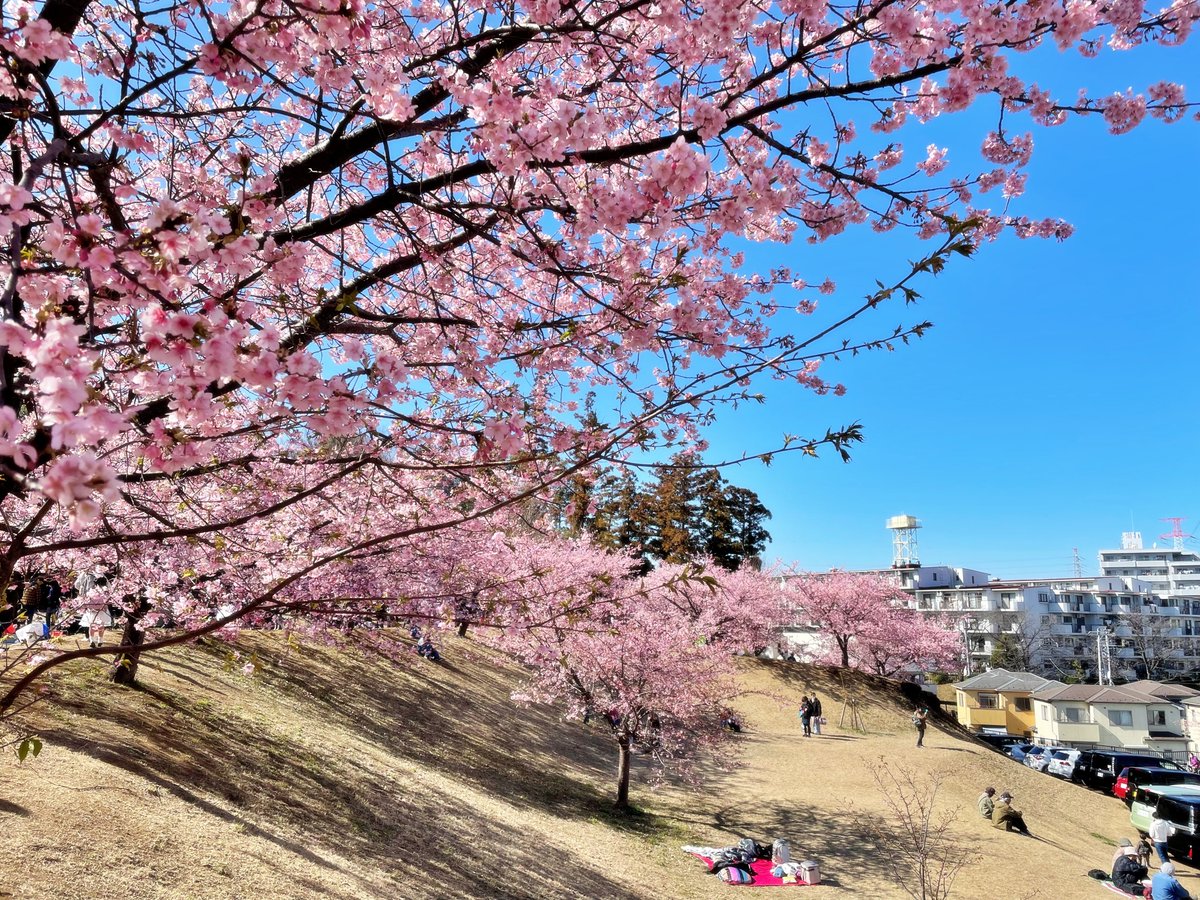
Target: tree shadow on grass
[(323, 805)]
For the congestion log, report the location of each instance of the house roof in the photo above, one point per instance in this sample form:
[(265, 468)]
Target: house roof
[(1172, 692), (1135, 692), (1004, 680)]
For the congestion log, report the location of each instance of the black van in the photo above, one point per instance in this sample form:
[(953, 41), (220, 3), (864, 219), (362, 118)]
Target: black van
[(1184, 814), (1100, 768)]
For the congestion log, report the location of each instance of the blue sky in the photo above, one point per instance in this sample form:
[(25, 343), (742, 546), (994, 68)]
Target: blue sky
[(1053, 405)]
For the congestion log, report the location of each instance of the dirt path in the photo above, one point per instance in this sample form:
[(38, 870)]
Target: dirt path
[(331, 775)]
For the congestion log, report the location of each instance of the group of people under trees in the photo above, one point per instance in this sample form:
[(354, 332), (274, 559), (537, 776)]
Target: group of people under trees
[(33, 604)]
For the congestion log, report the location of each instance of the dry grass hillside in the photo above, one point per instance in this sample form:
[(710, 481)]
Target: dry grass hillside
[(333, 774)]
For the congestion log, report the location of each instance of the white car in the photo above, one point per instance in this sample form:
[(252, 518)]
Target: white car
[(1038, 757), (1062, 763)]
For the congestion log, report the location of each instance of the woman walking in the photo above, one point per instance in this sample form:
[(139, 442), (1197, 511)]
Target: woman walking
[(806, 715)]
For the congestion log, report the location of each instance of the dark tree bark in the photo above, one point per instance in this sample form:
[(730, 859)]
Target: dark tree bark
[(623, 773), (126, 665)]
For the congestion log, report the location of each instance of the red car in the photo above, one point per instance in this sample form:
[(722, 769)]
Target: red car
[(1131, 777)]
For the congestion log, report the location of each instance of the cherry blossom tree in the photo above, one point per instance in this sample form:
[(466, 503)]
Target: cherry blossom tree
[(862, 622), (266, 262), (650, 659), (902, 640)]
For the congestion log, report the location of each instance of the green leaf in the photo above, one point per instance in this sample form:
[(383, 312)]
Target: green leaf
[(31, 746)]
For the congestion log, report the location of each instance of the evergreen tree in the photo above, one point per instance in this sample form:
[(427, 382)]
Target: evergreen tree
[(685, 512)]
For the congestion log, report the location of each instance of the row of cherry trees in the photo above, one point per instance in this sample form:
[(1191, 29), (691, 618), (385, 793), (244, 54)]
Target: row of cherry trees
[(864, 621), (295, 297)]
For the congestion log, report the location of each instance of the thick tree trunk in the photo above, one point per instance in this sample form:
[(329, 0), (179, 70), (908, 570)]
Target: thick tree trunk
[(845, 648), (125, 666), (462, 628), (623, 774)]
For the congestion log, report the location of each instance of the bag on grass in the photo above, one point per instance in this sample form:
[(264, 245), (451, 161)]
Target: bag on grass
[(734, 875), (754, 848), (1098, 874), (781, 851)]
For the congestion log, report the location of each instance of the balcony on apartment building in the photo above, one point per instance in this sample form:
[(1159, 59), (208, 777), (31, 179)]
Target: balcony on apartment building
[(1078, 732), (987, 716)]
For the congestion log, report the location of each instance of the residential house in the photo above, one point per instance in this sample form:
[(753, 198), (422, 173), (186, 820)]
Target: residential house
[(999, 701), (1142, 715)]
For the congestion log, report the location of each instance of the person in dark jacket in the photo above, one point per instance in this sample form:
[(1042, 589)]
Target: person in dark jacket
[(815, 708), (1127, 873)]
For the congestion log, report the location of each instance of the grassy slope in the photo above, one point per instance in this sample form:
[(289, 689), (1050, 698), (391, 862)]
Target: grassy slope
[(335, 775)]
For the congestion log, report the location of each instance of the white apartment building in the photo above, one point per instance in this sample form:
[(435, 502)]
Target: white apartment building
[(1146, 602), (1173, 573)]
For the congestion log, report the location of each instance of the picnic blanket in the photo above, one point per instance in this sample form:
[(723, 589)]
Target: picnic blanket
[(761, 870), (1116, 890)]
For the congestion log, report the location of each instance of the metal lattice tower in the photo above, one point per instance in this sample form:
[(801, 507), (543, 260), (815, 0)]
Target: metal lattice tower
[(904, 541), (1104, 657), (1078, 563), (1176, 534)]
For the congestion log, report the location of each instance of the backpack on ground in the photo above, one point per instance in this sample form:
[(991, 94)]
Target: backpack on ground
[(1098, 874), (781, 851), (754, 848)]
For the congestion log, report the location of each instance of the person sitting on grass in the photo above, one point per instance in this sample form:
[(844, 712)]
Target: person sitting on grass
[(1165, 886), (986, 804), (1122, 844), (1004, 816), (1127, 872), (426, 649)]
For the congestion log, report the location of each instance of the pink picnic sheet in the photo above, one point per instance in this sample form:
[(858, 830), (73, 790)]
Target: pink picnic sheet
[(761, 870)]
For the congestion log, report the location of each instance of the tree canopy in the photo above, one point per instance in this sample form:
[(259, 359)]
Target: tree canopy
[(289, 289)]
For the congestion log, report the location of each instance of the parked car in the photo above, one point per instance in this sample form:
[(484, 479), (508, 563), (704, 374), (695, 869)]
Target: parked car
[(1099, 768), (1062, 763), (1018, 751), (1184, 814), (1142, 810), (1131, 778), (998, 742), (1038, 757)]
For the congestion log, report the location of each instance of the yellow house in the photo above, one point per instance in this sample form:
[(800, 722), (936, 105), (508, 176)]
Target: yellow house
[(999, 701)]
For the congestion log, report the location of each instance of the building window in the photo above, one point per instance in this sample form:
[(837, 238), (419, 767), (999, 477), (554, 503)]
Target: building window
[(1044, 598), (1023, 704), (1045, 620), (1072, 714), (1121, 717), (935, 576), (1158, 717), (988, 701)]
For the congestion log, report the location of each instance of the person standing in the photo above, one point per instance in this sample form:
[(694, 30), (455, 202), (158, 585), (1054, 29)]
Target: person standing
[(920, 719), (96, 616), (1160, 832), (806, 715), (816, 714)]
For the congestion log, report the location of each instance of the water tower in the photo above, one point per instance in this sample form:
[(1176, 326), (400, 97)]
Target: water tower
[(904, 541)]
